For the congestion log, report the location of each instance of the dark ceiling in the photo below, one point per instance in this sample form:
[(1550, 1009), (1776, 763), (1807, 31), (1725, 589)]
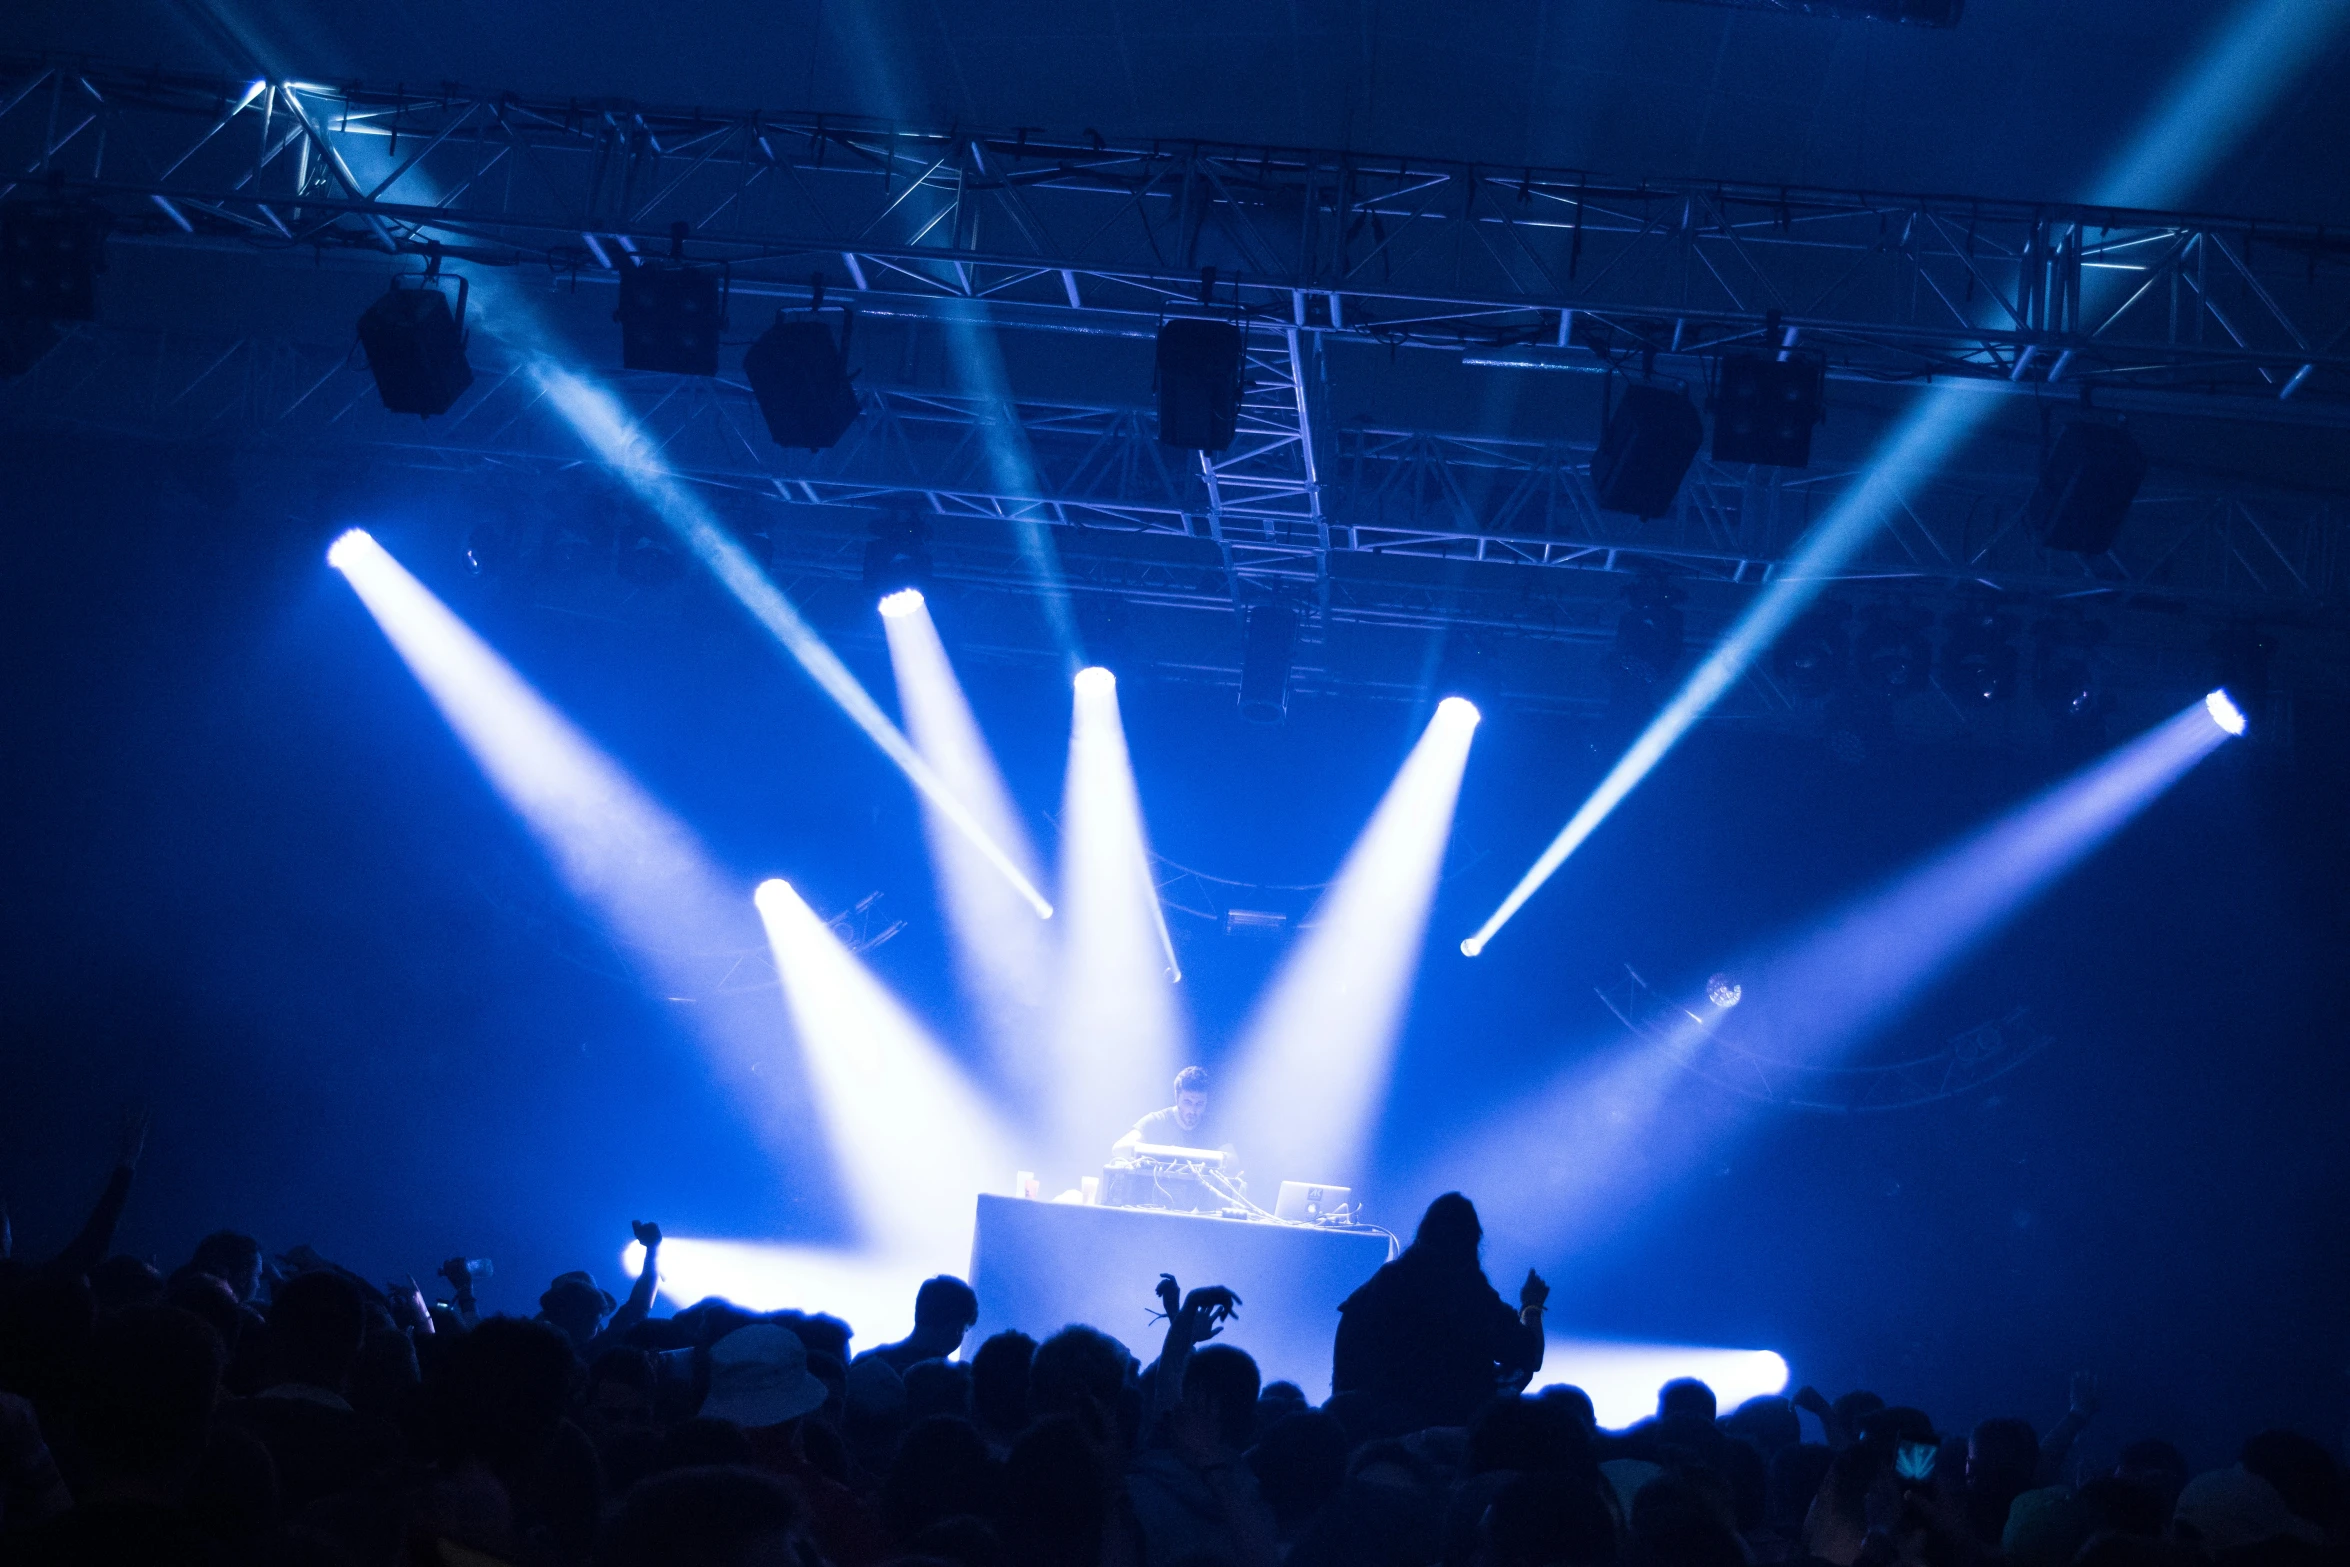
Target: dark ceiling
[(2026, 98)]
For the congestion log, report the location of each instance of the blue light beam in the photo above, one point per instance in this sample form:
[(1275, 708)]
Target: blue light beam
[(623, 856), (1580, 1158), (1003, 958), (2263, 50), (1325, 1033), (1116, 1027), (912, 1137)]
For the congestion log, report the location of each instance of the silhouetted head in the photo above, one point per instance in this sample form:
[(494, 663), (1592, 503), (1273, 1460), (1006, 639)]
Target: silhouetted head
[(500, 1393), (2303, 1472), (1079, 1371), (1300, 1463), (941, 1471), (575, 1306), (1226, 1380), (1678, 1521), (1527, 1434), (721, 1516), (1449, 1231), (233, 1259), (1055, 1490), (147, 1407), (2156, 1465), (945, 1307), (1685, 1396), (1546, 1521), (999, 1382), (316, 1324)]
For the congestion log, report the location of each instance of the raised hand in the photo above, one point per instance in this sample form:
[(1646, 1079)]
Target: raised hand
[(1533, 1295), (459, 1280), (648, 1233), (2086, 1400), (1170, 1294), (1206, 1310)]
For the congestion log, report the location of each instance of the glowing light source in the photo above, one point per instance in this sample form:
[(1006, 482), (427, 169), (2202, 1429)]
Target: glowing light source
[(1623, 1379), (1325, 1033), (2265, 46), (911, 1136), (2224, 712), (1723, 991), (1000, 954), (613, 846), (1116, 1033), (1561, 1166)]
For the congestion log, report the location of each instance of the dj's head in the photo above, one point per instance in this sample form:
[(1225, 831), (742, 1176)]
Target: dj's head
[(1191, 1097)]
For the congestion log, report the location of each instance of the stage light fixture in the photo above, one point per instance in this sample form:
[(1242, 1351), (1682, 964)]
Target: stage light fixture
[(1095, 681), (800, 376), (495, 548), (1645, 449), (1813, 656), (1724, 992), (1649, 636), (1199, 383), (1891, 653), (671, 313), (1765, 407), (415, 345), (51, 253), (1980, 664), (2086, 487), (905, 601), (2224, 712), (2068, 679), (897, 557), (1264, 663)]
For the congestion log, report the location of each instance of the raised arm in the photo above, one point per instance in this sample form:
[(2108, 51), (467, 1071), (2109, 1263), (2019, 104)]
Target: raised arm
[(2057, 1445), (1523, 1347), (639, 1304), (89, 1248)]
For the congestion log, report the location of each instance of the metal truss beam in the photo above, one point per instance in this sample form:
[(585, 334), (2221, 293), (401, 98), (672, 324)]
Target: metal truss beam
[(1293, 510), (1546, 265)]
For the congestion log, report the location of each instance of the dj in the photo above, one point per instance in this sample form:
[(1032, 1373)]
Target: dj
[(1184, 1124)]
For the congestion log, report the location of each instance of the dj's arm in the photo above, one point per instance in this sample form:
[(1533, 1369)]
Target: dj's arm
[(1127, 1144)]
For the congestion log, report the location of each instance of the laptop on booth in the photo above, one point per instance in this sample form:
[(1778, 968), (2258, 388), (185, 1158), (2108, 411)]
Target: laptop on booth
[(1306, 1204)]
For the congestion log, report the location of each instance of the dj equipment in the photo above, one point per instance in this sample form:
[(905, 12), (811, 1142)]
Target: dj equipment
[(1303, 1204), (1156, 1176)]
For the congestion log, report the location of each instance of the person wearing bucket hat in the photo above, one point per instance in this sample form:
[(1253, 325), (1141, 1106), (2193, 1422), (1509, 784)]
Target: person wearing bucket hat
[(759, 1377)]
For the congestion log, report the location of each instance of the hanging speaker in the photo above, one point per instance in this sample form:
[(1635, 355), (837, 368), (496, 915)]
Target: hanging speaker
[(1645, 451), (1199, 383), (2086, 487)]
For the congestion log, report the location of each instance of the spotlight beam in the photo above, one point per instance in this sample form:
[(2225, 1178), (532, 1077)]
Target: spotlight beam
[(615, 848), (1002, 955), (2262, 50), (1325, 1034), (1116, 1027), (1912, 453), (1582, 1155), (599, 419), (907, 1126)]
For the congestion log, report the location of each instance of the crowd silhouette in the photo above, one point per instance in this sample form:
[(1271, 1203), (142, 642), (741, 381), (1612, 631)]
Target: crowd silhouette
[(283, 1409)]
